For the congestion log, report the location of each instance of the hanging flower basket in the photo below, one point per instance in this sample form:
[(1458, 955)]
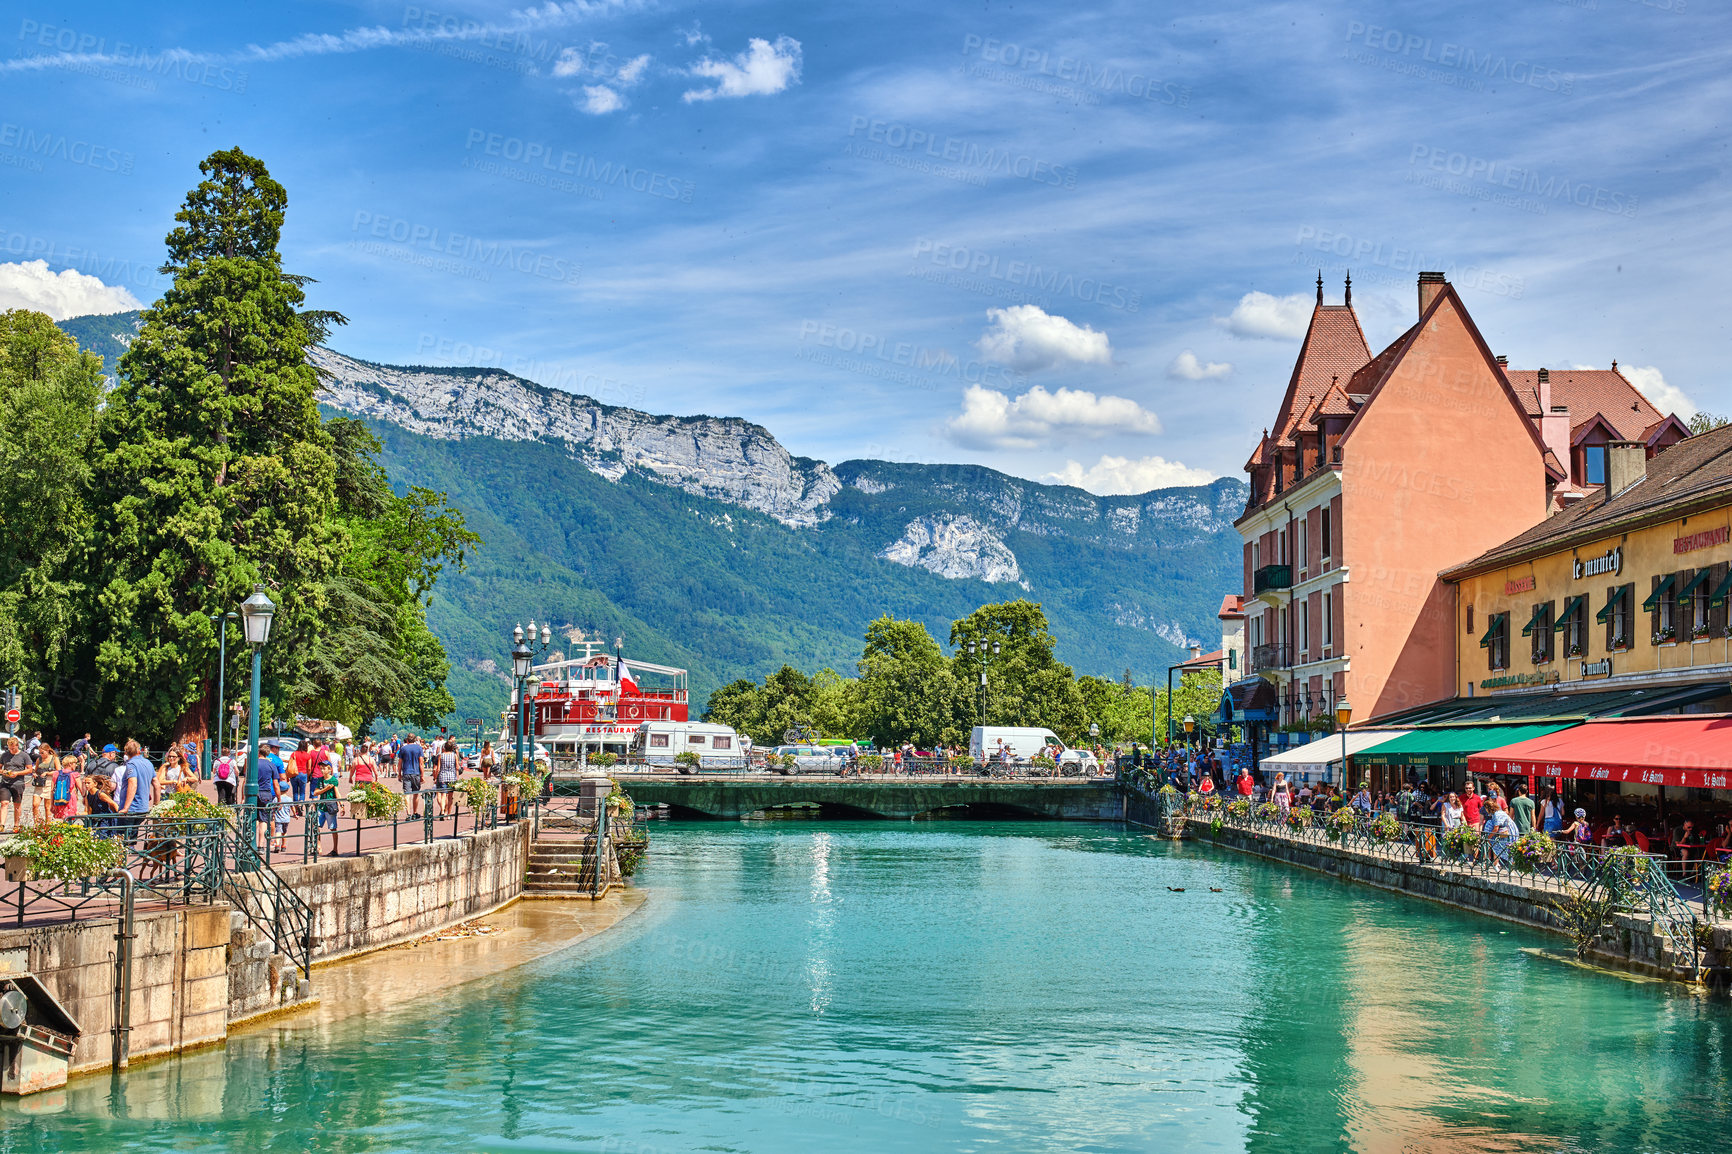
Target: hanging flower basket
[(1384, 828), (1341, 823), (1533, 850)]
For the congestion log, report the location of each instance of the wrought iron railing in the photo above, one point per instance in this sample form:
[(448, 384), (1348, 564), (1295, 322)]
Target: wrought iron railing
[(1635, 881), (1271, 656), (1271, 577)]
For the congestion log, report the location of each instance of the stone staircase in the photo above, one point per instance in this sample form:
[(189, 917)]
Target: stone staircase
[(564, 868)]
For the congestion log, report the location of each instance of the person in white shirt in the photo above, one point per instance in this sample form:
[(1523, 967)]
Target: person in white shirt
[(1452, 813)]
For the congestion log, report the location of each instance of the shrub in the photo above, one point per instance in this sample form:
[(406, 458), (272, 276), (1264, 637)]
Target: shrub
[(1340, 823), (1533, 850), (962, 761), (605, 760), (1385, 827), (1461, 843), (622, 799), (1718, 886), (64, 850), (688, 758), (871, 762), (380, 802), (1042, 761)]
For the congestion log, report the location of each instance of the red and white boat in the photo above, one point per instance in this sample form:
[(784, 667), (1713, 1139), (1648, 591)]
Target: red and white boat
[(596, 703)]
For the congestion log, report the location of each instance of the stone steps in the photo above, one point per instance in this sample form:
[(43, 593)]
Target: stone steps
[(559, 869)]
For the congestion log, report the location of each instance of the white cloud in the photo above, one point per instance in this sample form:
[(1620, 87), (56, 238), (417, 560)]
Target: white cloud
[(599, 100), (695, 34), (632, 70), (1027, 338), (1272, 318), (569, 64), (1116, 476), (68, 293), (1186, 367), (1667, 398), (992, 420), (763, 69)]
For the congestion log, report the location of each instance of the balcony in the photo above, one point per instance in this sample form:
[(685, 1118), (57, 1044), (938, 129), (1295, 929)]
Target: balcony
[(1271, 657), (1271, 577)]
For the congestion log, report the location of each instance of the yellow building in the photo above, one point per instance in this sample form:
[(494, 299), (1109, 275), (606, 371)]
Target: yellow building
[(1622, 594)]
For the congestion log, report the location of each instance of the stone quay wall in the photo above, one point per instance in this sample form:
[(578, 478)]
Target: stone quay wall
[(395, 895), (1630, 940), (197, 970)]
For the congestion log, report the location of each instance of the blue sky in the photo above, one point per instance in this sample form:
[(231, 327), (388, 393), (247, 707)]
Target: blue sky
[(1062, 240)]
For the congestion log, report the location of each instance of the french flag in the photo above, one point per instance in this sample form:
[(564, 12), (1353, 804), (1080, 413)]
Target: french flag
[(627, 683)]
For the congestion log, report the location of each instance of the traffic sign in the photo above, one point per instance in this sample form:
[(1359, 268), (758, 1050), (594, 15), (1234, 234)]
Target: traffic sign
[(472, 721), (13, 716)]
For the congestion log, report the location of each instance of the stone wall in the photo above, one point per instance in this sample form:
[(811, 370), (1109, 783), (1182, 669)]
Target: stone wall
[(179, 978), (395, 895), (1629, 941)]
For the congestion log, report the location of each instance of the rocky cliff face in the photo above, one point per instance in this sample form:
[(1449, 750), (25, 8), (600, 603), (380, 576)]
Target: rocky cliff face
[(956, 547), (723, 458)]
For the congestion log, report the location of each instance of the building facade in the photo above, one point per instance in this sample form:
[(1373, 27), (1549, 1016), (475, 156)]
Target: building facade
[(1378, 472), (1626, 590)]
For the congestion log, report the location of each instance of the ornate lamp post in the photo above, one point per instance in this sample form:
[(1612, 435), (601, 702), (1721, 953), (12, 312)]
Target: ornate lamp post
[(1343, 714), (256, 614), (521, 659)]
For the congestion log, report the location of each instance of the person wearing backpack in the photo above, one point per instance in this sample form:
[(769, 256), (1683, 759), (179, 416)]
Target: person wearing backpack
[(225, 778)]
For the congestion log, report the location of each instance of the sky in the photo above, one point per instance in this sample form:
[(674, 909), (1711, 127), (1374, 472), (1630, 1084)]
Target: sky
[(1074, 242)]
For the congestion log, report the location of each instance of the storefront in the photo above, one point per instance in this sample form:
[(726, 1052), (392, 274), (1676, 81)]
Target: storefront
[(1320, 760), (1653, 770), (1439, 755)]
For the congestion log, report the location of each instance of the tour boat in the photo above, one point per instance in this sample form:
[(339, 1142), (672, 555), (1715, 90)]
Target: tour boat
[(596, 703)]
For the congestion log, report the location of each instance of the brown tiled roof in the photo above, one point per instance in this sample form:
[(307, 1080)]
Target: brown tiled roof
[(1363, 381), (1336, 404), (1587, 391), (1307, 417), (1205, 660), (1581, 428), (1334, 347), (1693, 472), (1232, 605)]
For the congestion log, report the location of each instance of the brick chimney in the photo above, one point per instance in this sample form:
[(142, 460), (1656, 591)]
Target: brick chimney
[(1196, 651), (1430, 285), (1626, 463)]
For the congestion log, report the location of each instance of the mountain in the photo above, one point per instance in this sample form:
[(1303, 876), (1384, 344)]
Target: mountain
[(704, 543)]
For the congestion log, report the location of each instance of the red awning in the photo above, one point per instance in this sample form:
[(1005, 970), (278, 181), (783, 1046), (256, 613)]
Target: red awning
[(1685, 751)]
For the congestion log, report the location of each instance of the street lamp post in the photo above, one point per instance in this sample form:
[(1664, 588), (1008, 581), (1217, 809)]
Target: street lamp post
[(256, 614), (221, 621), (521, 659), (1343, 714)]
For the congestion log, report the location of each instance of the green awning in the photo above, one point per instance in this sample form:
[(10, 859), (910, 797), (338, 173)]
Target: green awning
[(1605, 613), (1539, 610), (1696, 582), (1718, 597), (1653, 600), (1451, 745), (1563, 621), (1493, 625)]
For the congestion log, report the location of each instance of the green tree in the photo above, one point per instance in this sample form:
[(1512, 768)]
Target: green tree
[(907, 691), (48, 421), (1198, 694), (1025, 683), (1123, 711), (1707, 422), (375, 656), (215, 471)]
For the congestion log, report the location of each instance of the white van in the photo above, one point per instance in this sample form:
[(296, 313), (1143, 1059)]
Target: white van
[(1024, 742), (717, 746)]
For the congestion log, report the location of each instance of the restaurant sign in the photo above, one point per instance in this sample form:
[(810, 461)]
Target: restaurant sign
[(1600, 668), (1518, 585), (1702, 540), (1544, 677), (1611, 561), (1583, 771)]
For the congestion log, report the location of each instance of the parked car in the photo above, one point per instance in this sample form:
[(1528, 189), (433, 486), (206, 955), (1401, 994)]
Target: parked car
[(815, 758), (1078, 761)]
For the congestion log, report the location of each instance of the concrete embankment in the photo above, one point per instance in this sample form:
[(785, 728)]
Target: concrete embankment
[(1629, 940)]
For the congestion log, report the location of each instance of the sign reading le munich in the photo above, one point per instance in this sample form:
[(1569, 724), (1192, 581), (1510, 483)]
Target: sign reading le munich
[(1612, 561)]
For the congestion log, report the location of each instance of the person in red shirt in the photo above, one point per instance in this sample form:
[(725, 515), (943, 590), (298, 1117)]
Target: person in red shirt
[(301, 772), (1470, 807), (1244, 783)]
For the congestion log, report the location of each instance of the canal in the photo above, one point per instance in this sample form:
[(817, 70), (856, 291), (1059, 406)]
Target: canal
[(868, 986)]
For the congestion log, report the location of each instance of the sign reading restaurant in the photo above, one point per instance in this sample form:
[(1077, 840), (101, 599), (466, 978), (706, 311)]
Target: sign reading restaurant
[(1611, 561), (1702, 540)]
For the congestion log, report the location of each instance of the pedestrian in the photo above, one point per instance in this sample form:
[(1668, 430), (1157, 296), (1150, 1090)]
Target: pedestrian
[(171, 771), (1500, 830), (323, 791), (193, 765), (1453, 811), (447, 778), (270, 784), (1245, 784), (66, 793), (1521, 808), (81, 747), (488, 761), (224, 774), (1470, 806), (302, 758), (42, 784), (17, 771), (34, 744), (1552, 813), (140, 792), (409, 772)]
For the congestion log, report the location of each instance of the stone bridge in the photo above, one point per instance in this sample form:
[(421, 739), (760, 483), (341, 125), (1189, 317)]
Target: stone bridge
[(734, 796)]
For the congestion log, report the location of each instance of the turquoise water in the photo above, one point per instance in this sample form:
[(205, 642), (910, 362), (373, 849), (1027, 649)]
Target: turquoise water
[(971, 987)]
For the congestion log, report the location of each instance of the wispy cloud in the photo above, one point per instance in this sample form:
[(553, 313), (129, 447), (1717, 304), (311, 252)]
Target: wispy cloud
[(993, 420), (1186, 367), (1116, 476)]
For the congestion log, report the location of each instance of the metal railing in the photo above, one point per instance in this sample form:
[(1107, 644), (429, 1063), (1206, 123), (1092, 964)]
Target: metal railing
[(886, 768), (1271, 656), (174, 863), (1271, 577), (1635, 881)]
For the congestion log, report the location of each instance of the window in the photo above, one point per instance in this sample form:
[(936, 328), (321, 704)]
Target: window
[(1328, 620), (1699, 608), (1328, 538), (1256, 555), (1594, 465), (1470, 617), (1281, 539), (658, 741), (1541, 627), (1232, 659), (1304, 629), (1575, 627), (695, 739), (1304, 557), (1616, 616), (1496, 642), (1668, 619), (722, 743)]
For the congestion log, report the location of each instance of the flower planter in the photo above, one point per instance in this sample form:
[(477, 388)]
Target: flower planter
[(17, 868), (358, 809)]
